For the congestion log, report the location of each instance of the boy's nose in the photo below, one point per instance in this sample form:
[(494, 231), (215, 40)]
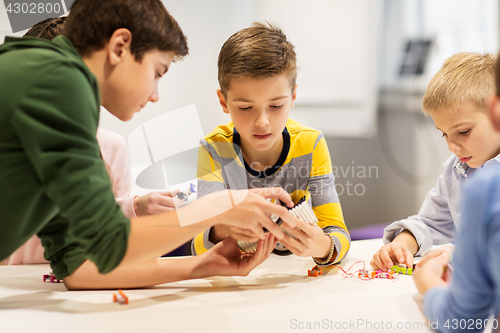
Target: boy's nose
[(453, 147), (154, 97), (261, 120)]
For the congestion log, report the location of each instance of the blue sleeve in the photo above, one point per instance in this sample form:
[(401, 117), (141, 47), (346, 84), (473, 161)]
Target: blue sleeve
[(471, 293)]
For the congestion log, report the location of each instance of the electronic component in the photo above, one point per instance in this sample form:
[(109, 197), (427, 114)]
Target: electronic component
[(183, 196), (315, 271), (401, 269), (51, 278), (120, 297)]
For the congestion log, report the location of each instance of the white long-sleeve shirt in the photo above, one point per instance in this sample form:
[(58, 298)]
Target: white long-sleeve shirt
[(439, 217)]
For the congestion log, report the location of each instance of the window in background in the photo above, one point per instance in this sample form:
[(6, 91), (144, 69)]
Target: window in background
[(452, 25)]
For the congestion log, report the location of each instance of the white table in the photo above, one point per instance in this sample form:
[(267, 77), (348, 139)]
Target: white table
[(277, 296)]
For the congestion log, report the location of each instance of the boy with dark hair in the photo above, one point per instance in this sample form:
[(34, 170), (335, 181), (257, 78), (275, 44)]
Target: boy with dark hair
[(54, 181), (262, 147)]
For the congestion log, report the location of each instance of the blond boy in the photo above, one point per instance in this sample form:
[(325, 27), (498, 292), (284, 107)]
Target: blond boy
[(262, 147), (456, 101)]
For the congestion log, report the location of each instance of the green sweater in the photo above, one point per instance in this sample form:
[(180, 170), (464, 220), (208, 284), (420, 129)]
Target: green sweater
[(53, 181)]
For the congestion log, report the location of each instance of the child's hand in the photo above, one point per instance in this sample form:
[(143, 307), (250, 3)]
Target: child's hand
[(226, 259), (155, 203), (431, 273), (437, 252), (249, 212), (391, 254), (310, 240), (222, 231), (399, 251)]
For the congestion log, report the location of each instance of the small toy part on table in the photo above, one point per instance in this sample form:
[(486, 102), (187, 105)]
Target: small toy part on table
[(51, 278), (120, 298)]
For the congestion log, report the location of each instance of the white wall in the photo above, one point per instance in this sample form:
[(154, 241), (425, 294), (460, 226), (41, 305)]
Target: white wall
[(336, 50)]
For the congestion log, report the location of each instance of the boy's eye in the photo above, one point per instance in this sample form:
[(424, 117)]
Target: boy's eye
[(277, 106), (444, 134), (464, 132), (244, 108), (158, 75)]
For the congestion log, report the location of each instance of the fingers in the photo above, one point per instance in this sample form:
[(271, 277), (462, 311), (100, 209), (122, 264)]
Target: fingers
[(390, 255), (264, 249), (244, 235), (165, 201), (300, 227), (382, 259), (252, 211), (444, 258), (266, 222), (385, 260), (222, 231), (430, 255), (374, 264), (282, 212), (168, 193), (270, 226), (154, 203), (294, 245), (267, 245), (274, 193), (408, 259), (399, 255)]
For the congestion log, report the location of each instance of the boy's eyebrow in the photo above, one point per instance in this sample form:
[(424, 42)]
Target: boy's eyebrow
[(278, 98), (456, 125), (241, 99)]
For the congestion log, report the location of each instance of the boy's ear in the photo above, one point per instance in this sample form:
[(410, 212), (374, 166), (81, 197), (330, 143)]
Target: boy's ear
[(294, 94), (493, 104), (119, 45), (222, 101)]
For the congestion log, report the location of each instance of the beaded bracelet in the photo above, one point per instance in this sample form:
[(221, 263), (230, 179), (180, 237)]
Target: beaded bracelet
[(330, 255)]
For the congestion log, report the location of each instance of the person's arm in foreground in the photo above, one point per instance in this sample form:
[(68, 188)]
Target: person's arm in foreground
[(469, 297), (151, 236), (224, 259)]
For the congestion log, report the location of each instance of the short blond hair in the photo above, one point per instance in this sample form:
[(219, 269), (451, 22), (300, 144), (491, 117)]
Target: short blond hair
[(259, 51), (465, 80)]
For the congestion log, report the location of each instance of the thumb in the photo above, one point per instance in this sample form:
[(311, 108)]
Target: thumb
[(169, 193), (443, 258)]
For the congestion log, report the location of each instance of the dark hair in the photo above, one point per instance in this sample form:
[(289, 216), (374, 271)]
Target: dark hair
[(259, 51), (91, 23), (48, 28), (37, 28)]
